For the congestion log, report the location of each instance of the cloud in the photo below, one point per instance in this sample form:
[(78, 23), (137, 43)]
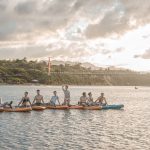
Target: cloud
[(30, 17), (146, 55), (105, 51), (102, 18), (125, 16), (2, 7), (29, 52), (146, 36), (118, 50), (112, 23), (26, 7), (32, 51), (72, 29)]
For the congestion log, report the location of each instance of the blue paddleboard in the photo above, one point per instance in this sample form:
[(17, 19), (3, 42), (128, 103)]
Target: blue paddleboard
[(113, 106)]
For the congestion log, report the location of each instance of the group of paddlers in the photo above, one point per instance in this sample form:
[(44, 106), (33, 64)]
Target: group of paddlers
[(39, 100)]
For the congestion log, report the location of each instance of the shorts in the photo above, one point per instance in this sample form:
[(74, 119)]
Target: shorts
[(82, 103), (67, 101), (52, 103), (91, 103), (38, 104)]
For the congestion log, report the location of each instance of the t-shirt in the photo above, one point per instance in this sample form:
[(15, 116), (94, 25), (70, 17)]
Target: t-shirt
[(54, 99)]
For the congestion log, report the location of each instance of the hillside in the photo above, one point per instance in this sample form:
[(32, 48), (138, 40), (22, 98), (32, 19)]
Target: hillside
[(23, 72)]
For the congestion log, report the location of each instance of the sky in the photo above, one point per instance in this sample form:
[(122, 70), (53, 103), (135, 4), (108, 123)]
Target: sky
[(102, 32)]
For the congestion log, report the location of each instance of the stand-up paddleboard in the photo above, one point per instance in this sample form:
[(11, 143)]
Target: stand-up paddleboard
[(85, 107), (113, 106), (38, 108), (1, 109), (18, 109), (57, 107), (75, 107), (92, 107)]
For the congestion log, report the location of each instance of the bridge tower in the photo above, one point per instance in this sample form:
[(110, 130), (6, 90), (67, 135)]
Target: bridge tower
[(49, 66)]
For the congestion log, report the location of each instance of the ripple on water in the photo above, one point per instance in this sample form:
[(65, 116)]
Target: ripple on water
[(126, 129)]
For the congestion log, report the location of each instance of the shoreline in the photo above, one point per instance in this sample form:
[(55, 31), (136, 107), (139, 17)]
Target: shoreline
[(70, 85)]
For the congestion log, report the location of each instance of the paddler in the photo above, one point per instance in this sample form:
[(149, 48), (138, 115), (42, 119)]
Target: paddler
[(66, 95), (101, 100), (38, 99), (83, 99), (25, 102), (54, 99), (7, 105)]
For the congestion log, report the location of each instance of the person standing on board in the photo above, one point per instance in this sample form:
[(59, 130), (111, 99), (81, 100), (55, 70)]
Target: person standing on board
[(38, 100), (66, 95)]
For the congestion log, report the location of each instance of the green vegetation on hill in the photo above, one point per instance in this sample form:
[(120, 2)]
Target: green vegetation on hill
[(23, 72)]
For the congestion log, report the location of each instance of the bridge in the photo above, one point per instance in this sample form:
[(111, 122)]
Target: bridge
[(96, 73)]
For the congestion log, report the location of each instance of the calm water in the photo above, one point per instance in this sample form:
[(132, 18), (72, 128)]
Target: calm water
[(126, 129)]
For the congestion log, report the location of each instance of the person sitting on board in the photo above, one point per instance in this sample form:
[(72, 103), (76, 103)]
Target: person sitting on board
[(25, 102), (38, 99), (90, 101), (66, 95), (54, 99), (83, 99), (7, 105), (101, 100)]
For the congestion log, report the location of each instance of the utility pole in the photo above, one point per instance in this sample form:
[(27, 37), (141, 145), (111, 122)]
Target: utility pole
[(49, 66)]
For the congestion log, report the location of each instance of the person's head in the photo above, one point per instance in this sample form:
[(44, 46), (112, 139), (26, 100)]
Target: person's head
[(102, 94), (26, 93), (38, 92), (55, 93), (84, 94), (90, 94), (66, 87)]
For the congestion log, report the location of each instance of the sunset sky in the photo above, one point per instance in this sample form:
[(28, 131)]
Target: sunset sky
[(102, 32)]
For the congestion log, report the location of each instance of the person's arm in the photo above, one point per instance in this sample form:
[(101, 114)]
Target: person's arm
[(97, 100), (79, 102), (58, 100), (30, 102), (42, 100), (63, 88), (81, 99), (50, 99), (86, 100), (20, 102), (105, 101), (34, 100)]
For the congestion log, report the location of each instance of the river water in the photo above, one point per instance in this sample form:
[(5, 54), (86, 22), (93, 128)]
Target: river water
[(127, 129)]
